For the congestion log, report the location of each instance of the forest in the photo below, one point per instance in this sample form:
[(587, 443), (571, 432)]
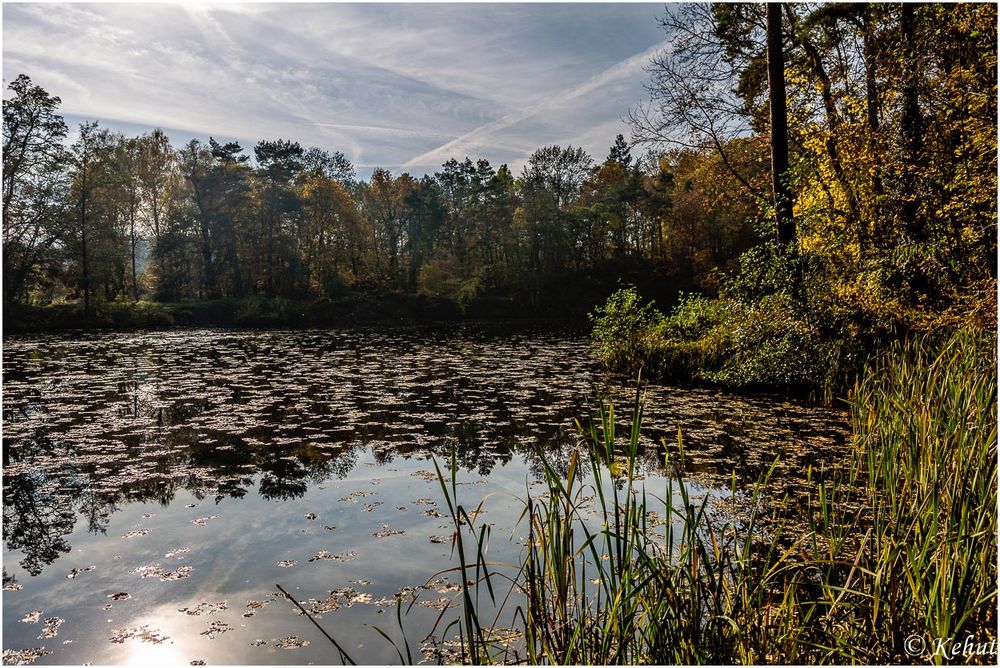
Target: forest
[(114, 219)]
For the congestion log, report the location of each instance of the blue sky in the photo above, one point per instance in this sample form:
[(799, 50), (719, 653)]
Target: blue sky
[(398, 86)]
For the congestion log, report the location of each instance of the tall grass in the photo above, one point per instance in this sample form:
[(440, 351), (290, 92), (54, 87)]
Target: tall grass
[(903, 545)]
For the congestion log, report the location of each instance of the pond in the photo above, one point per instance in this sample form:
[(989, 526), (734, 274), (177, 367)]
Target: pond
[(158, 486)]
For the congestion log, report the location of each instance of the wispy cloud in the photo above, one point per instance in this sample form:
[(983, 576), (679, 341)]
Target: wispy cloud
[(481, 137), (402, 86)]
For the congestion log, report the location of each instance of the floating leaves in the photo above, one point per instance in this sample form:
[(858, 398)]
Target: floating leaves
[(442, 603), (344, 597), (258, 643), (291, 642), (323, 555), (155, 570), (440, 539), (205, 608), (120, 596), (202, 520), (177, 551), (354, 496), (143, 633), (177, 574), (22, 657), (311, 516), (51, 629), (385, 531), (253, 606), (76, 571), (135, 533), (286, 563), (32, 617), (216, 627)]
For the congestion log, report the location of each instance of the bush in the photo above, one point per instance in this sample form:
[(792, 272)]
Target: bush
[(770, 343), (441, 278), (621, 328)]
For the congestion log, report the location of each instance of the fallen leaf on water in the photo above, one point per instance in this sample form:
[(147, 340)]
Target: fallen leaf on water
[(120, 596), (385, 530), (32, 617), (311, 516), (51, 629), (143, 633), (76, 571), (286, 563), (202, 520), (22, 657), (214, 627), (181, 572), (291, 642), (354, 496), (205, 608), (135, 533)]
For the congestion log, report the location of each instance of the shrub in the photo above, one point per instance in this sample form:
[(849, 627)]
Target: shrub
[(620, 327)]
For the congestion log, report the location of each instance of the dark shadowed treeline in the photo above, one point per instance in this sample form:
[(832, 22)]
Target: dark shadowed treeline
[(112, 218)]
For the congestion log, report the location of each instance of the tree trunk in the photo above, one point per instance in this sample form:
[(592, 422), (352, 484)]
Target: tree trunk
[(872, 108), (779, 127), (131, 224), (83, 248), (910, 129)]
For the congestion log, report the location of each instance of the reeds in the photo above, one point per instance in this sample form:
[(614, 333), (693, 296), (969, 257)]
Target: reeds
[(903, 544)]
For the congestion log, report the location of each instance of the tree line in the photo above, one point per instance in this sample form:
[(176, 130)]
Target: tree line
[(114, 218)]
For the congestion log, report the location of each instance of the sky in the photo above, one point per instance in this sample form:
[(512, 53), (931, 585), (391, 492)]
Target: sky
[(399, 86)]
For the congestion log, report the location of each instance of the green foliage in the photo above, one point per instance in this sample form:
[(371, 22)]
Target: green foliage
[(441, 278), (621, 326), (903, 544), (266, 311)]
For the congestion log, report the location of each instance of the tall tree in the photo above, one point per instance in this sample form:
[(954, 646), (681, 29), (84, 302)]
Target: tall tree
[(777, 103), (34, 182)]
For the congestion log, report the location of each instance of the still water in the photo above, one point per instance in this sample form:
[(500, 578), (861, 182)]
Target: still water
[(158, 486)]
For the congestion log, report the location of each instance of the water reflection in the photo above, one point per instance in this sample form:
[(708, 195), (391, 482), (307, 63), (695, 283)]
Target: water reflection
[(95, 424)]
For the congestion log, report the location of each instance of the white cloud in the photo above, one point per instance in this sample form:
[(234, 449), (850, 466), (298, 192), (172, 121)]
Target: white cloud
[(391, 85)]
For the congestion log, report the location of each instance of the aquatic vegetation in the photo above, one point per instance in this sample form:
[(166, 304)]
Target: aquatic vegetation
[(23, 657), (216, 627), (242, 426), (205, 608), (51, 627), (899, 545), (144, 633)]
